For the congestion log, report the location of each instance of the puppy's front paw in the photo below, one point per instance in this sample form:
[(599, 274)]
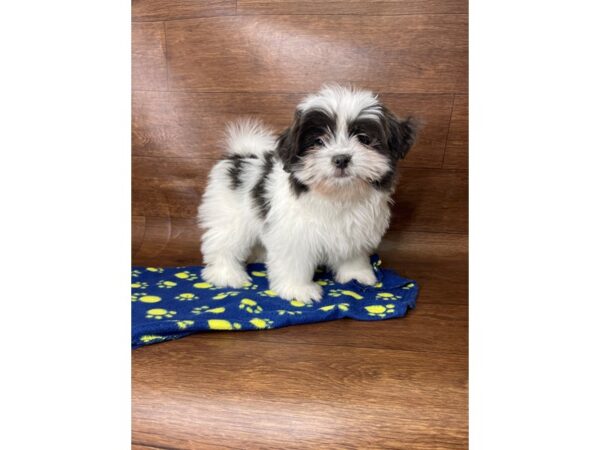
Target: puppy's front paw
[(306, 293), (225, 276), (363, 276)]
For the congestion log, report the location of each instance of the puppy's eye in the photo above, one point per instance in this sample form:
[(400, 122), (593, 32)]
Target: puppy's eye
[(363, 139), (318, 142)]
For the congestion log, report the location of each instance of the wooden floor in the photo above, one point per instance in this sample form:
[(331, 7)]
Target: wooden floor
[(400, 383)]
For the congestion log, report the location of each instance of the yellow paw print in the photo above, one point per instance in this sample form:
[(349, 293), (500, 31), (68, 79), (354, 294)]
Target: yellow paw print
[(261, 324), (340, 306), (298, 304), (250, 306), (136, 273), (155, 269), (268, 293), (281, 312), (380, 310), (184, 324), (145, 298), (208, 309), (159, 313), (325, 282), (166, 284), (203, 285), (388, 296), (186, 275), (377, 264), (223, 295), (219, 324), (186, 296), (139, 285), (151, 338), (339, 293), (378, 285), (258, 273), (409, 286), (250, 286)]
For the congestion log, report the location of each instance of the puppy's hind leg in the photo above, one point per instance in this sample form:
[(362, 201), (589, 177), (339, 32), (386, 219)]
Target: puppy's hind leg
[(225, 249)]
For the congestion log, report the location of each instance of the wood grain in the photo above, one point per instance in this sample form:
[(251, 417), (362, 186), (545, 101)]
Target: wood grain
[(372, 7), (457, 146), (156, 10), (192, 125), (400, 54), (148, 60), (189, 394)]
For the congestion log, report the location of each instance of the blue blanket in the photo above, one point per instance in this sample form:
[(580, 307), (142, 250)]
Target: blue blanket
[(169, 303)]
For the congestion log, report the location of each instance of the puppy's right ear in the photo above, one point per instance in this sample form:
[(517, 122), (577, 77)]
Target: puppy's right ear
[(287, 144)]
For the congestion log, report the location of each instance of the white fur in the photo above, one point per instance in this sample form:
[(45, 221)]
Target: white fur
[(339, 222)]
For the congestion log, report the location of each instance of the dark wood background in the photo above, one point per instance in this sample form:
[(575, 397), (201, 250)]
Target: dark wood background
[(197, 65)]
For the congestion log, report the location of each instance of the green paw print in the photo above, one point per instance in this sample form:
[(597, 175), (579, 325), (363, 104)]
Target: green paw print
[(224, 295), (380, 310), (408, 286), (159, 313), (166, 284), (250, 306), (388, 296), (339, 293), (340, 306), (186, 275), (186, 296), (325, 282), (139, 285), (250, 286), (281, 312), (268, 293), (208, 309), (136, 273), (184, 324), (155, 269), (261, 324)]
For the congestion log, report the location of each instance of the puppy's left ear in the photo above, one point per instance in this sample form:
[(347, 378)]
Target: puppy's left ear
[(402, 134), (287, 144)]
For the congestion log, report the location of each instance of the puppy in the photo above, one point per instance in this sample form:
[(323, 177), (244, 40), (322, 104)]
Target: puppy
[(317, 194)]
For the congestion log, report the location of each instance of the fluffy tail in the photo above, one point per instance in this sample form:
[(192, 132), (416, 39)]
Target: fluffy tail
[(249, 137)]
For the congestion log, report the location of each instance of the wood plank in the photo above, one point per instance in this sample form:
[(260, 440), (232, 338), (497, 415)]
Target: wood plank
[(157, 10), (426, 199), (244, 394), (457, 147), (192, 124), (371, 7), (149, 64), (400, 54)]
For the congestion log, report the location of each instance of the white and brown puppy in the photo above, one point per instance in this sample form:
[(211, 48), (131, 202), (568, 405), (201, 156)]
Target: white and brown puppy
[(317, 194)]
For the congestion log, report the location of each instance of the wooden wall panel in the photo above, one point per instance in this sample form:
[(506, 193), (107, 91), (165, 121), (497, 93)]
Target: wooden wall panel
[(375, 7), (149, 64), (457, 146), (155, 10), (417, 54), (426, 199), (192, 124)]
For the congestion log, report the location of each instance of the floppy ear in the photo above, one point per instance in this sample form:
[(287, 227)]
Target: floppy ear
[(287, 144), (402, 134)]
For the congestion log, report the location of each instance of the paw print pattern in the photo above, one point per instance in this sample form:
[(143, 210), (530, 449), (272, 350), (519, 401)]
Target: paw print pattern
[(282, 312), (220, 324), (208, 309), (159, 313), (186, 275), (166, 284), (325, 282), (268, 293), (408, 286), (152, 338), (261, 324), (257, 273), (250, 306), (184, 324), (250, 286), (139, 285), (340, 292), (135, 273), (145, 298), (388, 296), (205, 285), (186, 296), (340, 306), (224, 295), (380, 310), (155, 269)]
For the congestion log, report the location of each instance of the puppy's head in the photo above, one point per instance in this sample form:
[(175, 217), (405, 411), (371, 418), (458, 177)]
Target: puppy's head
[(344, 138)]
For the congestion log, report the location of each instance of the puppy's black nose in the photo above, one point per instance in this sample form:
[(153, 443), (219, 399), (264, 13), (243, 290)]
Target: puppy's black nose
[(341, 161)]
